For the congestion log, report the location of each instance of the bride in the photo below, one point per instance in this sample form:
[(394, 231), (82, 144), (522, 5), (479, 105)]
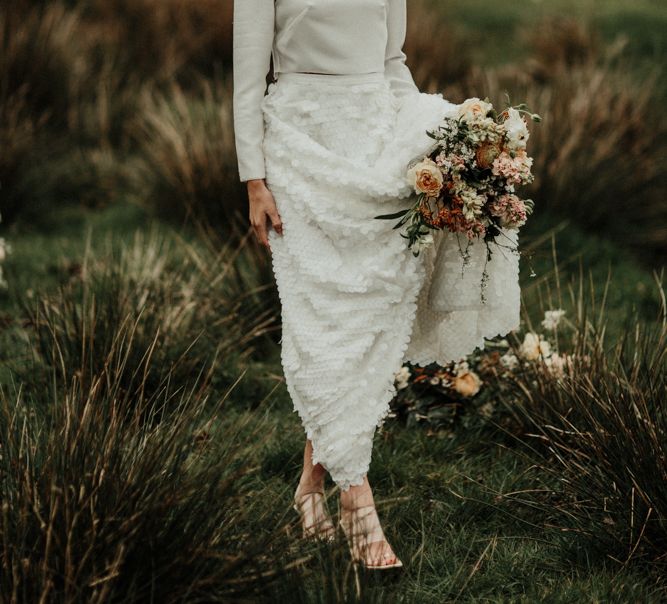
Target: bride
[(323, 151)]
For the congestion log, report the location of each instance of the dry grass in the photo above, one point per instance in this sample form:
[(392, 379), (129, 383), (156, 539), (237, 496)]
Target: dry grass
[(166, 38), (63, 101), (127, 471), (189, 166), (437, 53), (599, 153), (108, 497), (598, 431), (170, 312), (124, 79), (37, 55), (18, 138), (41, 55), (558, 44)]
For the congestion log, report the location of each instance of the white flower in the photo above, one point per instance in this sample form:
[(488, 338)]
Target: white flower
[(473, 202), (556, 363), (434, 381), (509, 360), (403, 373), (461, 367), (422, 243), (552, 319), (534, 346), (517, 130), (485, 129), (402, 378)]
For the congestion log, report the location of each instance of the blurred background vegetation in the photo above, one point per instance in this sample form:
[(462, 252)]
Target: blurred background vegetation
[(148, 447)]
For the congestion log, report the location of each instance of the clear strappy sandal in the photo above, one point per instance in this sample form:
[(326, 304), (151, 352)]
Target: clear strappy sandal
[(316, 522), (362, 527)]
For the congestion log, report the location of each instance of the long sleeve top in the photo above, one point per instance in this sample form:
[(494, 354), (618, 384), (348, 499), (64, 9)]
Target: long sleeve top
[(316, 36)]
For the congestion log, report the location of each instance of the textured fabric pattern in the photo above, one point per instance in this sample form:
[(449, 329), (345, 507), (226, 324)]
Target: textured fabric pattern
[(355, 302), (451, 320)]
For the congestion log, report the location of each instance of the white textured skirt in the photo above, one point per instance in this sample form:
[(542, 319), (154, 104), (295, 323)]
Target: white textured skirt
[(356, 303)]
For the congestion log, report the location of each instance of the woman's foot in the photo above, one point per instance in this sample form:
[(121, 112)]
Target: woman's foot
[(316, 522), (362, 527)]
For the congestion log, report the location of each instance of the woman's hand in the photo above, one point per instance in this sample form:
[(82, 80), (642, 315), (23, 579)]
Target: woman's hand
[(263, 210)]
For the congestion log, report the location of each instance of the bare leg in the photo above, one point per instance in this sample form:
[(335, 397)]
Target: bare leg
[(378, 552), (312, 476), (309, 498)]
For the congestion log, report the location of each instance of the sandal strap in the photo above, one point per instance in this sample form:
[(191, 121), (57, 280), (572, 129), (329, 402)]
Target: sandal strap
[(315, 518), (365, 528), (361, 507), (304, 499), (302, 495)]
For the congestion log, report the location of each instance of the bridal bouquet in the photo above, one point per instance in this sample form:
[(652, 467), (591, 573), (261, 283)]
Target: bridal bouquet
[(467, 181)]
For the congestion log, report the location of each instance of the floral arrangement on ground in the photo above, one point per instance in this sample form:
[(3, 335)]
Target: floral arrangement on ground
[(468, 391)]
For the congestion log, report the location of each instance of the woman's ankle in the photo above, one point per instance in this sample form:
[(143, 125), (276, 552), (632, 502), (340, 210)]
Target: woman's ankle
[(312, 479), (357, 496)]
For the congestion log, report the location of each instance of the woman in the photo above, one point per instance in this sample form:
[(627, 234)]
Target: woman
[(323, 153)]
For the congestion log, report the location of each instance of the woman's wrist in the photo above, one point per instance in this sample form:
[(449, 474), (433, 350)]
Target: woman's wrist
[(255, 183)]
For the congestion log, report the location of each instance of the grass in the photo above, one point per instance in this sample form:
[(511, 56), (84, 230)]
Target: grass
[(157, 505), (494, 26), (446, 499)]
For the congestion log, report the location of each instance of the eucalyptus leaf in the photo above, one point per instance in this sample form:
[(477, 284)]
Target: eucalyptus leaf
[(394, 215)]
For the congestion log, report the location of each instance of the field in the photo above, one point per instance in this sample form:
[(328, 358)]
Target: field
[(642, 22), (148, 447)]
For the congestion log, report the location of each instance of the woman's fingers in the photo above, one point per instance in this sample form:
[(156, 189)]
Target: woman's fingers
[(263, 212), (262, 233), (276, 222), (259, 228)]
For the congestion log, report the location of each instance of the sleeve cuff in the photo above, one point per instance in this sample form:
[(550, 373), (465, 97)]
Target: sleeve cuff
[(246, 174)]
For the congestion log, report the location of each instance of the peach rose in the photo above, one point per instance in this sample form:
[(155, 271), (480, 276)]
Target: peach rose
[(474, 108), (426, 178), (467, 384)]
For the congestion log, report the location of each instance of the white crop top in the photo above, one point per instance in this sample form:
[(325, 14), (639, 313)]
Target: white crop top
[(318, 36)]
